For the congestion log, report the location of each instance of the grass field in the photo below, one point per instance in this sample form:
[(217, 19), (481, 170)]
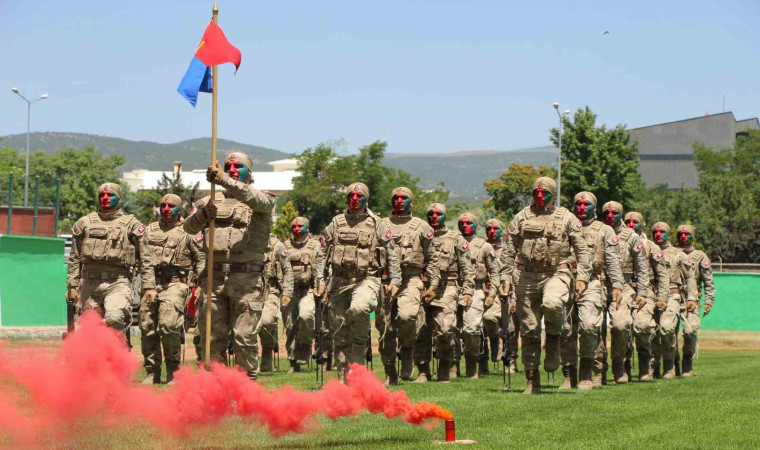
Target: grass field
[(719, 408)]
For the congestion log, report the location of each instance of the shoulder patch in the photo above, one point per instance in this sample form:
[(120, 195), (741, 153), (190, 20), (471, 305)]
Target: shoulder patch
[(640, 245), (141, 230), (388, 234), (199, 238), (615, 239), (579, 225), (465, 246), (706, 262), (659, 256), (322, 240), (285, 251), (430, 233), (689, 260)]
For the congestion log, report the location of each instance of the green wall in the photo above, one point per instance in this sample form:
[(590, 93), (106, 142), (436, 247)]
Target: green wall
[(737, 303), (32, 281)]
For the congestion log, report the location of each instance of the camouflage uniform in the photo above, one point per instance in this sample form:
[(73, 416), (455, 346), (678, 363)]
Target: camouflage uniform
[(457, 277), (538, 260), (279, 274), (241, 234), (177, 259), (492, 315), (105, 247), (359, 245), (418, 258)]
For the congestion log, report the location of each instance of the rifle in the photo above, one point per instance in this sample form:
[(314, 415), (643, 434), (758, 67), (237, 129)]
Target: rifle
[(71, 316), (506, 356), (318, 344)]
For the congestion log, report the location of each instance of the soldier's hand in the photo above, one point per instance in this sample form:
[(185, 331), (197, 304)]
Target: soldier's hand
[(209, 211), (284, 301), (429, 295), (489, 301), (580, 286), (708, 308), (641, 302), (326, 300), (467, 298), (391, 290), (617, 295), (319, 291), (691, 306), (72, 296), (149, 296), (513, 308), (662, 305), (214, 174), (504, 288)]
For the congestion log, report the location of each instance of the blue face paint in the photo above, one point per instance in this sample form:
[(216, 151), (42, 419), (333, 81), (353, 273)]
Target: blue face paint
[(114, 201)]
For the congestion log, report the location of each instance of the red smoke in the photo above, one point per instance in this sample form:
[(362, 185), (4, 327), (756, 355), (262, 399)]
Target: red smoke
[(89, 381)]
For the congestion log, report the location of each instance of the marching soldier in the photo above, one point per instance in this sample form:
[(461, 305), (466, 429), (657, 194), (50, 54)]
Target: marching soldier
[(492, 315), (177, 261), (278, 272), (243, 220)]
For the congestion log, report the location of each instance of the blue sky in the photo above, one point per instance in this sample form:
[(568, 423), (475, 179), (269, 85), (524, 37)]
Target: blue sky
[(426, 76)]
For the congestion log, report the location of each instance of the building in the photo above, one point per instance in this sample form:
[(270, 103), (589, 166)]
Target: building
[(667, 149)]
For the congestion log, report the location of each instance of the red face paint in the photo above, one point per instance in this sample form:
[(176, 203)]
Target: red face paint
[(684, 238), (356, 202), (299, 230), (612, 218), (467, 227), (436, 218), (584, 209), (168, 211), (541, 197), (108, 200), (634, 225), (236, 170), (401, 203), (660, 236), (493, 233)]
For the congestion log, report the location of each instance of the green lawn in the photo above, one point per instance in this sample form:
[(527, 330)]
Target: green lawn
[(716, 409)]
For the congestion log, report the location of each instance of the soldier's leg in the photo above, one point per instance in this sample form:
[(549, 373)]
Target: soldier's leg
[(363, 301), (328, 346), (491, 326), (290, 321), (529, 294), (644, 327), (117, 304), (220, 319), (568, 346), (423, 346), (513, 336), (268, 329), (386, 327), (472, 332), (171, 318), (409, 301), (150, 342), (656, 347), (668, 328), (304, 327), (556, 294), (443, 323), (620, 330), (247, 302), (690, 322), (340, 301), (590, 318)]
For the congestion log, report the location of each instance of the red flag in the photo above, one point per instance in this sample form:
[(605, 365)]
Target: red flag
[(215, 49)]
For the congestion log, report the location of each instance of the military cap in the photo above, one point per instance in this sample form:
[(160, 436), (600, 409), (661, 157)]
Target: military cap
[(437, 206), (496, 223), (585, 195), (300, 221), (360, 187), (110, 187), (687, 228), (635, 216), (613, 205), (545, 183), (468, 216)]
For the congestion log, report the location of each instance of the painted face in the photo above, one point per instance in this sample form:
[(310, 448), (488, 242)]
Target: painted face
[(299, 230), (660, 236), (634, 225), (237, 170), (436, 218), (108, 200), (541, 197), (612, 218), (356, 202), (168, 210), (493, 233), (467, 227), (684, 238), (584, 209), (401, 203)]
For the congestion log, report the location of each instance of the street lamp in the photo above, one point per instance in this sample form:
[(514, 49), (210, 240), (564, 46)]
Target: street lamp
[(559, 155), (28, 128)]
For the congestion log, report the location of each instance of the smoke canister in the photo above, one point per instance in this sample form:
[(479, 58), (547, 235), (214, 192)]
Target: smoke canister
[(451, 434)]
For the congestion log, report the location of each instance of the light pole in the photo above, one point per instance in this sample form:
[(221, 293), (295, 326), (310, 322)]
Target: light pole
[(559, 155), (28, 128)]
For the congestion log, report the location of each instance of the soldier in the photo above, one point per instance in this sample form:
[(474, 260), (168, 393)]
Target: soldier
[(358, 246), (177, 261), (243, 219), (456, 276), (644, 316), (635, 274), (486, 268), (106, 246), (492, 314), (538, 260), (702, 268), (279, 274), (587, 310), (681, 278), (298, 314), (412, 238)]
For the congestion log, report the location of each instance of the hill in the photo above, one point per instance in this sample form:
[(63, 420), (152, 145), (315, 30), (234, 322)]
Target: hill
[(193, 153)]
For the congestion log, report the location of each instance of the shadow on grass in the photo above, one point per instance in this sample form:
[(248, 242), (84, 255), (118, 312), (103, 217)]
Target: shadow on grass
[(382, 441)]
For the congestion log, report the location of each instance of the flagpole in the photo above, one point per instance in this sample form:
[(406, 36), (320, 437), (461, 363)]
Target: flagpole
[(212, 197)]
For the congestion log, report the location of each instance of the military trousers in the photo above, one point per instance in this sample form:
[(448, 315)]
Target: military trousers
[(270, 316), (351, 302), (540, 296), (161, 324), (439, 329), (669, 327), (690, 322), (513, 328), (236, 303), (583, 322), (111, 297), (645, 326), (472, 325), (491, 327), (621, 323), (387, 328), (299, 324)]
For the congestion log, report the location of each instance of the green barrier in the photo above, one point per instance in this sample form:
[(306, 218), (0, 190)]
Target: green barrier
[(736, 303), (32, 281)]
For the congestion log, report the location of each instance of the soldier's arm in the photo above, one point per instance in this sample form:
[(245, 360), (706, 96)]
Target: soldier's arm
[(385, 238), (314, 267), (466, 272), (258, 201), (640, 265), (690, 279), (661, 272), (77, 239), (322, 263), (705, 269), (492, 267), (287, 269), (195, 224), (144, 258), (197, 253), (573, 228), (612, 259), (507, 259), (432, 258)]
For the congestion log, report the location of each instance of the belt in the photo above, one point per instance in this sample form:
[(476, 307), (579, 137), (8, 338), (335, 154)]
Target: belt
[(102, 275), (167, 280), (244, 267), (675, 290), (482, 284), (343, 273), (537, 269)]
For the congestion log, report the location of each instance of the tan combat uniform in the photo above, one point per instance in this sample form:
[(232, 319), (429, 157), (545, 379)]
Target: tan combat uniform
[(492, 316), (241, 234), (104, 250), (702, 268), (299, 314), (486, 268), (177, 259), (418, 258), (357, 247), (279, 275)]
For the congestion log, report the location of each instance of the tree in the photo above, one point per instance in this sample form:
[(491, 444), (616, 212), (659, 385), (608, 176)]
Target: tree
[(598, 160), (281, 227), (511, 192), (145, 202)]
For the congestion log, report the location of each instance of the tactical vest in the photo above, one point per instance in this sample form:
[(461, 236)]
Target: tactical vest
[(107, 242), (302, 260), (446, 245), (169, 248), (623, 247), (408, 247), (498, 247), (543, 240), (478, 260), (592, 236), (272, 267), (670, 259), (650, 249), (231, 228), (354, 246), (696, 259)]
